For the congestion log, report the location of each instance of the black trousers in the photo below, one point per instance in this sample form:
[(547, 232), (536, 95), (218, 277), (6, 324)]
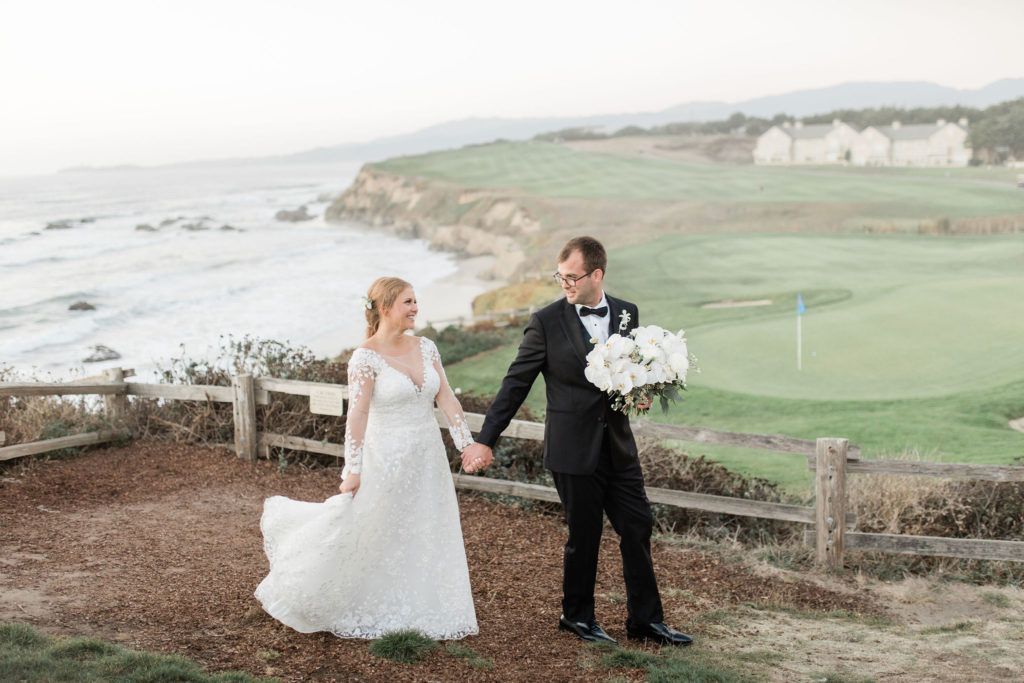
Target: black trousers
[(615, 488)]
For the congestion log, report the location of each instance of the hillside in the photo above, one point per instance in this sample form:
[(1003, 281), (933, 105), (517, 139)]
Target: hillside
[(516, 199)]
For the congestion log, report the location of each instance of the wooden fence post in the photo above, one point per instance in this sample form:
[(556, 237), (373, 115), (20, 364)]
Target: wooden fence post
[(246, 439), (830, 500), (115, 405)]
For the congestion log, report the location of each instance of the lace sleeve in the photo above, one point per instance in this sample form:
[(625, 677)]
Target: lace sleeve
[(361, 377), (449, 405)]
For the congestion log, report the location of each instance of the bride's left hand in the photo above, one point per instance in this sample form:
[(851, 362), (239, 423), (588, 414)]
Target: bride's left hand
[(350, 484)]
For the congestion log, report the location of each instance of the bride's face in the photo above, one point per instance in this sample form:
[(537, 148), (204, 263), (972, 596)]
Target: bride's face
[(403, 312)]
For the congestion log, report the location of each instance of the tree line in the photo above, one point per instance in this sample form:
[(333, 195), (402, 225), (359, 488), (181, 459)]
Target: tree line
[(995, 133)]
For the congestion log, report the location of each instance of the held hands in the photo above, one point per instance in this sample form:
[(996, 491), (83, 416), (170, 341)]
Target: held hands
[(646, 404), (476, 457), (350, 484)]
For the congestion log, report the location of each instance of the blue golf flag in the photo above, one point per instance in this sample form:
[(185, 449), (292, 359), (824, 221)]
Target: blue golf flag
[(800, 308)]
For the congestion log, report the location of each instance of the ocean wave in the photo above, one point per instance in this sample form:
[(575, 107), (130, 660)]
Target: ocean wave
[(157, 290)]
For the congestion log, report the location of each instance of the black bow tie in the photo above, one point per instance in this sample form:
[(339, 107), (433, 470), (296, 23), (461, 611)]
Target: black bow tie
[(599, 312)]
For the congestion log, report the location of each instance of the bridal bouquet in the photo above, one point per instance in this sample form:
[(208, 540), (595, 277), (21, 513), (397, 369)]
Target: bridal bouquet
[(649, 363)]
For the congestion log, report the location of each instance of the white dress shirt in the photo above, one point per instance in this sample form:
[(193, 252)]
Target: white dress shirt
[(597, 326)]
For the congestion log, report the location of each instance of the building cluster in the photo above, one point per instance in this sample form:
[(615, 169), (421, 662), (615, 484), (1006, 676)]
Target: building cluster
[(943, 143)]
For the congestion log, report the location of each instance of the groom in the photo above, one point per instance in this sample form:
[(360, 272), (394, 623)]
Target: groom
[(588, 447)]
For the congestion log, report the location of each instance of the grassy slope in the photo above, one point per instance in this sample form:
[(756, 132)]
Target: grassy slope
[(910, 341), (966, 427), (555, 171)]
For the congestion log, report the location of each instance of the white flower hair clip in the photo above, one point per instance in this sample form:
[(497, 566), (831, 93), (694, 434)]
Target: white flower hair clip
[(624, 319), (367, 302)]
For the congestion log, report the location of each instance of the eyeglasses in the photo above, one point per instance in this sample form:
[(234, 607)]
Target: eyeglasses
[(571, 281)]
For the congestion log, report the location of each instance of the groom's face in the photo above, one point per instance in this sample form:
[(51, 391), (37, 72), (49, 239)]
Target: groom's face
[(586, 291)]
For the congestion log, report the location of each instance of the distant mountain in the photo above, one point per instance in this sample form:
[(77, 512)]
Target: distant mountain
[(800, 103)]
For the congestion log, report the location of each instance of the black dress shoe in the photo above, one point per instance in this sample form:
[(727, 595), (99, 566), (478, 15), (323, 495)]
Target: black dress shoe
[(585, 630), (657, 632)]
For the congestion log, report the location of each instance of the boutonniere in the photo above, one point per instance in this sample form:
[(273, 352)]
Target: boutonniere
[(624, 319)]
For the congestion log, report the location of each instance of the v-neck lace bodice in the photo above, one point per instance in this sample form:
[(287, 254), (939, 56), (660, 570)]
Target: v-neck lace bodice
[(394, 406), (424, 362)]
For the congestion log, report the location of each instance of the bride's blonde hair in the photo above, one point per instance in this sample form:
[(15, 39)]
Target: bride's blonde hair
[(382, 295)]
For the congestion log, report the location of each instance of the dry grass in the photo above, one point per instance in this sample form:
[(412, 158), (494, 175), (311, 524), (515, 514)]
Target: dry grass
[(883, 503), (927, 506), (45, 417)]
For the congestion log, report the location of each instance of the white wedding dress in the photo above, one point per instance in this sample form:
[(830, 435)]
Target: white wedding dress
[(391, 557)]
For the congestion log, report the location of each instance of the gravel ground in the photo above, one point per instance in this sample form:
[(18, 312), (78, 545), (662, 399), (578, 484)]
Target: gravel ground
[(157, 546)]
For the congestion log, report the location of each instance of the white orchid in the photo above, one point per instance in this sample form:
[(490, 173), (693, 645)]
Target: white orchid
[(637, 374), (598, 357), (622, 383), (652, 335), (619, 346), (599, 376), (619, 365)]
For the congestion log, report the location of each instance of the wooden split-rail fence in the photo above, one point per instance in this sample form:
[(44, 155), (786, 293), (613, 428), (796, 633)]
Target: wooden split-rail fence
[(830, 522)]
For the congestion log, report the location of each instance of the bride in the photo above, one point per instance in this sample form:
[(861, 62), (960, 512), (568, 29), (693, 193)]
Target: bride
[(386, 554)]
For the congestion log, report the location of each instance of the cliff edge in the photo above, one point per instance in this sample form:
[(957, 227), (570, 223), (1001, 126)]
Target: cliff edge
[(451, 217)]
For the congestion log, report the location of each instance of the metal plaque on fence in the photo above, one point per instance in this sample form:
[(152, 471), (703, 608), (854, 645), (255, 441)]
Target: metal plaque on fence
[(327, 401)]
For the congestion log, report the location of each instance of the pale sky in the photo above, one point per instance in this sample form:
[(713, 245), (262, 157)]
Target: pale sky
[(101, 82)]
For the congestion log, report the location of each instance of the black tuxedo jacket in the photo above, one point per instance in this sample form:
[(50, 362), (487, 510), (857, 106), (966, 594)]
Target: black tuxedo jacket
[(555, 344)]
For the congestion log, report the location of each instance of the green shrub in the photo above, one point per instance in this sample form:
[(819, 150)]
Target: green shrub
[(472, 658), (31, 656), (402, 646), (456, 344)]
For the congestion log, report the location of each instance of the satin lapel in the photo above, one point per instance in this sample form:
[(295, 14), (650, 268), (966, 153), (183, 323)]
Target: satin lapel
[(573, 329), (615, 309)]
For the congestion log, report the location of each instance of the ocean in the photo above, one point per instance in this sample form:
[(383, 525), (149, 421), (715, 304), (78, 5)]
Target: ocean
[(172, 259)]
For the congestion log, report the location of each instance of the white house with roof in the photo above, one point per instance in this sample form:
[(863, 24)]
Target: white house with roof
[(940, 144), (943, 143), (806, 144)]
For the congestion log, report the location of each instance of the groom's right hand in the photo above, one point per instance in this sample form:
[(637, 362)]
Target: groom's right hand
[(476, 457)]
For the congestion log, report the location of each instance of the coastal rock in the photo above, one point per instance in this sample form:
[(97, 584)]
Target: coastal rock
[(101, 353), (171, 221), (451, 218), (194, 227), (230, 228), (299, 214), (145, 227), (81, 306), (58, 225)]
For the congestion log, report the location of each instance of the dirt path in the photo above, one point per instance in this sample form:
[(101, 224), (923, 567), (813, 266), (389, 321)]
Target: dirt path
[(157, 546)]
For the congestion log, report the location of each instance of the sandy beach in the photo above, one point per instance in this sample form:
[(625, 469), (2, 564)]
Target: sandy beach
[(442, 300)]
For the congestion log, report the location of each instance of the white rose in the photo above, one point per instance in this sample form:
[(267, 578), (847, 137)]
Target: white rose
[(658, 373), (678, 345), (679, 363)]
